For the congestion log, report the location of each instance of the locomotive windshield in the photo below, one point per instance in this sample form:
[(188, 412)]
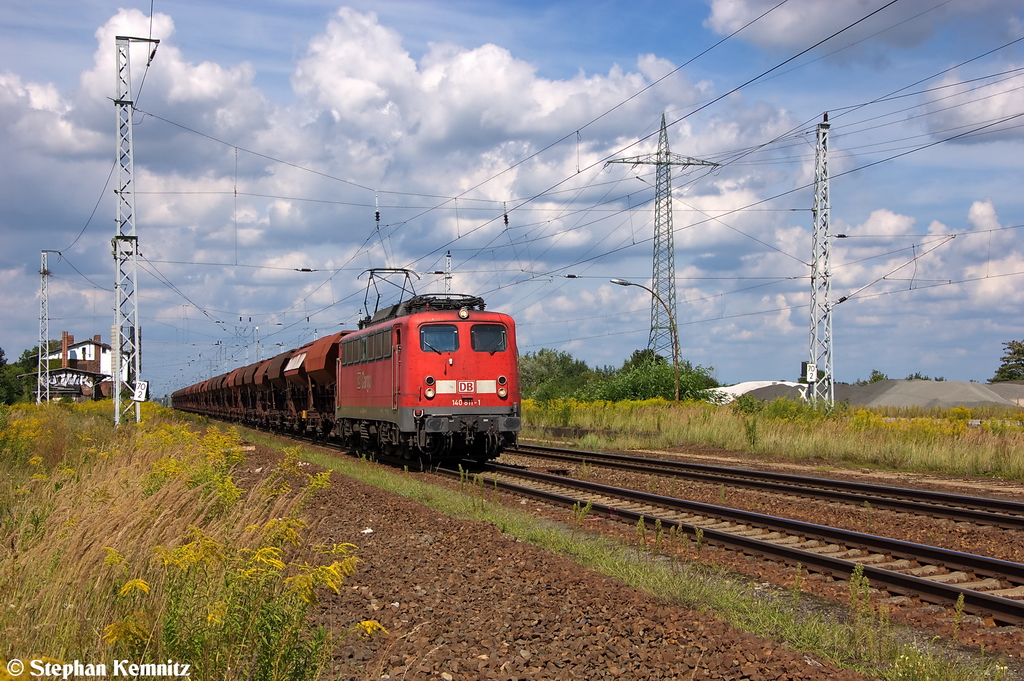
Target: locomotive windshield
[(488, 338), (439, 338)]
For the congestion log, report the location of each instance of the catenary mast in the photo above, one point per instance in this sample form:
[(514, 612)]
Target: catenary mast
[(819, 376), (43, 374), (126, 334)]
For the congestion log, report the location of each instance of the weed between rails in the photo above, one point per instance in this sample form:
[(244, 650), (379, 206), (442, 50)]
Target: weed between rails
[(137, 544)]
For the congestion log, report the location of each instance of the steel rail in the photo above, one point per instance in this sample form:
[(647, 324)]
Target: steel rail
[(1001, 513), (976, 602)]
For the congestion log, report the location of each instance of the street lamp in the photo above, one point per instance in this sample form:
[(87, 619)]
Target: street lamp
[(671, 320)]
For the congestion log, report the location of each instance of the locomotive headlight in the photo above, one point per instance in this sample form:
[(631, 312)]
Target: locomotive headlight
[(502, 380), (429, 380), (463, 313), (429, 392), (502, 393)]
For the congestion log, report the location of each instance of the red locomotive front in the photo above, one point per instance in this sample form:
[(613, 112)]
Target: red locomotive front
[(433, 377)]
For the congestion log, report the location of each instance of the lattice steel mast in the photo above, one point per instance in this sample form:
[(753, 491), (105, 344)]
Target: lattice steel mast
[(126, 334), (43, 373), (820, 382), (664, 273)]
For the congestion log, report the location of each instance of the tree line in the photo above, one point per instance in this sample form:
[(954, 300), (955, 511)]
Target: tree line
[(18, 379), (550, 374)]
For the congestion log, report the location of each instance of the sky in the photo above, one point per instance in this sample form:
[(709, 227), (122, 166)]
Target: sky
[(268, 135)]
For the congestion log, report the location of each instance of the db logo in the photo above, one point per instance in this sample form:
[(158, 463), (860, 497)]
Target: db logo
[(362, 381), (467, 386)]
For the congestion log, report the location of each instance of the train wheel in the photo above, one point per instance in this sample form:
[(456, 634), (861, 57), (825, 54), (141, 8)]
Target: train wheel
[(436, 446)]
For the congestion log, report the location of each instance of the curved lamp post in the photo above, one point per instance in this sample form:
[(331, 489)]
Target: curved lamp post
[(671, 320)]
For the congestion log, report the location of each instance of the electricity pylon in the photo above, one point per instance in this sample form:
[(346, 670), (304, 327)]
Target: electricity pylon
[(126, 334), (820, 384), (664, 275)]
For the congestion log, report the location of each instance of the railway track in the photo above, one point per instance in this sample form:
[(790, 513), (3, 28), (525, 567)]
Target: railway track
[(990, 588), (960, 508)]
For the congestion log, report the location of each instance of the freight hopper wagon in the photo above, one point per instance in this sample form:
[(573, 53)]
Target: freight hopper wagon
[(433, 377), (290, 392)]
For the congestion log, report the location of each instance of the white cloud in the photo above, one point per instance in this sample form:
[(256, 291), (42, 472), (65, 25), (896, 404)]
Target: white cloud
[(976, 112), (800, 23)]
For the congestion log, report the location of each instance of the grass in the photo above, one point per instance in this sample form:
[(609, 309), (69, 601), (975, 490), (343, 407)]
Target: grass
[(866, 642), (137, 544), (935, 441)]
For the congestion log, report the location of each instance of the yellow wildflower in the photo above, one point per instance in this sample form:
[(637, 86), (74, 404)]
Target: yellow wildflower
[(134, 585)]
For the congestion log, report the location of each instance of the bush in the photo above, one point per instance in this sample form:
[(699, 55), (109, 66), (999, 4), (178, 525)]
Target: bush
[(652, 379)]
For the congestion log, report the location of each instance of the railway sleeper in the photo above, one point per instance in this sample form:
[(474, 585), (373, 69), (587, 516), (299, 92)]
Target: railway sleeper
[(791, 540), (896, 565), (982, 585), (827, 548), (876, 559), (957, 577), (924, 571), (773, 537), (724, 526), (744, 531)]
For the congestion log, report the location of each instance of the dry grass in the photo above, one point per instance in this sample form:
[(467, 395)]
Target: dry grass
[(137, 544), (941, 442)]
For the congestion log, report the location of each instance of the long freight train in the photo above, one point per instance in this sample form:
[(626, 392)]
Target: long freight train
[(432, 378)]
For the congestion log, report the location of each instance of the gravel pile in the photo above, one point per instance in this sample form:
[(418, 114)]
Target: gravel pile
[(903, 393)]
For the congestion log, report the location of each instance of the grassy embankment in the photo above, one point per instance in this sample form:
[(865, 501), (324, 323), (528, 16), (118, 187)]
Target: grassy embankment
[(138, 545), (668, 566), (933, 441)]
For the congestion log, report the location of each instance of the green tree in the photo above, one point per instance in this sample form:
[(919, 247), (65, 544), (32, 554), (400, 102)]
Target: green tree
[(550, 374), (646, 356), (875, 377), (1012, 367), (12, 388), (18, 379), (645, 376)]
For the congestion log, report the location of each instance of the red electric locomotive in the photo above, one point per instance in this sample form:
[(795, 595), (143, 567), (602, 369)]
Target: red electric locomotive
[(432, 377)]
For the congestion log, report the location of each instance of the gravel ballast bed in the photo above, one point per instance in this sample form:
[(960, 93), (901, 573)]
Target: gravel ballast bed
[(462, 601), (980, 539)]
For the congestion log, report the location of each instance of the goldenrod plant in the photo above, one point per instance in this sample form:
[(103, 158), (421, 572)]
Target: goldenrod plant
[(136, 543)]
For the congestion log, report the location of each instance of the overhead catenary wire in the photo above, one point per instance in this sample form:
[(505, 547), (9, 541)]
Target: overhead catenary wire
[(514, 165), (677, 69), (524, 208)]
